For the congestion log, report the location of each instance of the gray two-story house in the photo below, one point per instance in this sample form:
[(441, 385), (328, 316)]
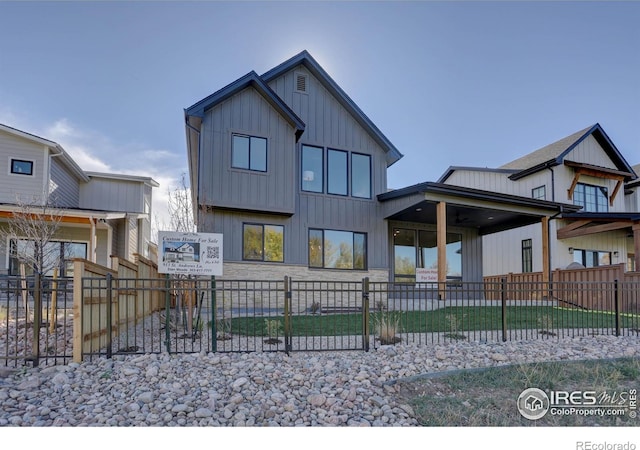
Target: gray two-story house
[(294, 175), (98, 215)]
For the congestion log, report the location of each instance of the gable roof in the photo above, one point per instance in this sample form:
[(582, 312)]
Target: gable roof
[(445, 176), (305, 59), (251, 79), (554, 154), (55, 148), (636, 182), (117, 176)]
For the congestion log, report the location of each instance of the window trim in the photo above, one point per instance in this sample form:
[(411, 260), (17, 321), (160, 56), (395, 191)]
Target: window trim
[(346, 172), (527, 255), (249, 137), (22, 160), (322, 164), (353, 234), (325, 172), (352, 178), (11, 245), (544, 192), (262, 225), (603, 189), (583, 252)]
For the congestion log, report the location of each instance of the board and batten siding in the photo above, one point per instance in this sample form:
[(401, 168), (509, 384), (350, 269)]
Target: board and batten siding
[(26, 188), (500, 182), (503, 251), (64, 188), (328, 123), (247, 113), (112, 195), (296, 229)]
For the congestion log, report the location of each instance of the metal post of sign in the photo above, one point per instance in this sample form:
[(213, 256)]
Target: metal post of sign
[(167, 313), (214, 331)]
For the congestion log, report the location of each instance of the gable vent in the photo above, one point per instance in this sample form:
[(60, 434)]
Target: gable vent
[(301, 83)]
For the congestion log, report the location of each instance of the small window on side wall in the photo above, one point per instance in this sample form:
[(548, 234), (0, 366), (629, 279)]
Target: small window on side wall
[(249, 152), (21, 167), (539, 193)]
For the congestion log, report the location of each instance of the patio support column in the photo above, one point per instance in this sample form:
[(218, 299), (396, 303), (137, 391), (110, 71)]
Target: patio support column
[(636, 246), (93, 241), (546, 267), (441, 233)]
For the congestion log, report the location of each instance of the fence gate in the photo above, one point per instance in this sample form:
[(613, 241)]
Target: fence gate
[(327, 315)]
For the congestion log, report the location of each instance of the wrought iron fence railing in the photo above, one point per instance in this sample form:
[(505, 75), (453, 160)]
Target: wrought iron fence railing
[(115, 315)]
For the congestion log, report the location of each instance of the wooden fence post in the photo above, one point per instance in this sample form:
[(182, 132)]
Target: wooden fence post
[(78, 270)]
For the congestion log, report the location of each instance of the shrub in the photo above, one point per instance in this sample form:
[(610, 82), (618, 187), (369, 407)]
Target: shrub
[(387, 326)]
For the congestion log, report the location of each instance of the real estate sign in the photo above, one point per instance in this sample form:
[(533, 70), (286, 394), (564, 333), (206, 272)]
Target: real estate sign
[(426, 278), (190, 253)]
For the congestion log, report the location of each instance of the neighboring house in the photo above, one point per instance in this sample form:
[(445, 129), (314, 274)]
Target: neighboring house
[(103, 214), (294, 175), (585, 169)]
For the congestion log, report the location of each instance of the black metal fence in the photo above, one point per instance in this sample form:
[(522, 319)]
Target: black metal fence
[(136, 316), (36, 315)]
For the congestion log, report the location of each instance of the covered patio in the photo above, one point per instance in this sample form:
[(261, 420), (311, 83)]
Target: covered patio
[(446, 211)]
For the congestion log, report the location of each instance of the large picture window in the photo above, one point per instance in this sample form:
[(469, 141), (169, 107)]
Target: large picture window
[(249, 152), (332, 249), (54, 255), (263, 242), (419, 248), (336, 172), (591, 198)]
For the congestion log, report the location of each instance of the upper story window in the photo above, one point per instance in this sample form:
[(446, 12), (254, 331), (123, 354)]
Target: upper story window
[(591, 198), (21, 166), (539, 193), (249, 152), (345, 173), (337, 172)]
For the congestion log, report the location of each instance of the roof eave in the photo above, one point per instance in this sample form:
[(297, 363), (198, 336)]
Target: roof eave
[(305, 59), (251, 79)]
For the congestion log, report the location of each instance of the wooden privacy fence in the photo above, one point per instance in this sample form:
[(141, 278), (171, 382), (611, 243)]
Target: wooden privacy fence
[(106, 300), (589, 288)]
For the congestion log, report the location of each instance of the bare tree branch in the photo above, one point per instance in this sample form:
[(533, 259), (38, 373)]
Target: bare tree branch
[(31, 230)]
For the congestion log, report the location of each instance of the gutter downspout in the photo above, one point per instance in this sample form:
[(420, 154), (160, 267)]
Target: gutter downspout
[(555, 216), (553, 184), (109, 243), (196, 210)]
